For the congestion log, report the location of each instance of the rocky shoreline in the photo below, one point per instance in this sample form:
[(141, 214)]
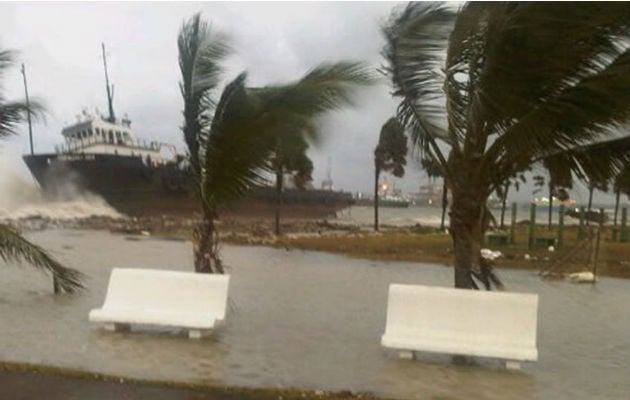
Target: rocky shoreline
[(239, 230)]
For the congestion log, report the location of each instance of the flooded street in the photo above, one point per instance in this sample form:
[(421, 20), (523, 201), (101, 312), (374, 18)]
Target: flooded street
[(308, 320)]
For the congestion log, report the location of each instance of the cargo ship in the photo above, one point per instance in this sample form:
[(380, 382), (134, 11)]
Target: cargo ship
[(102, 154)]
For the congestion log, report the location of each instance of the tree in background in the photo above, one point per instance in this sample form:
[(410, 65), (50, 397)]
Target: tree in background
[(289, 157), (232, 136), (433, 170), (621, 185), (13, 246), (389, 156), (519, 82), (560, 179)]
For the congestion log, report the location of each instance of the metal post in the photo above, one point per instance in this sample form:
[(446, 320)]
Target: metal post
[(513, 225), (597, 240), (581, 226), (561, 226), (28, 109), (532, 225), (623, 236)]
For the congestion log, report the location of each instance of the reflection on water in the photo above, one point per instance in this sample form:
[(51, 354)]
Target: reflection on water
[(309, 320)]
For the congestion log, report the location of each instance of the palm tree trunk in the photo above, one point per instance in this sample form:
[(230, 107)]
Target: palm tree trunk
[(205, 244), (466, 231), (279, 186), (550, 212), (444, 203), (504, 203), (377, 173), (617, 194)]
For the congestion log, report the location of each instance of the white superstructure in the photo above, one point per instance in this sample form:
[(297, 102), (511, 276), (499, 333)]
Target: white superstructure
[(94, 134)]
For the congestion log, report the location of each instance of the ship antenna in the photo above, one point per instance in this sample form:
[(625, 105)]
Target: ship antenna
[(28, 109), (110, 89)]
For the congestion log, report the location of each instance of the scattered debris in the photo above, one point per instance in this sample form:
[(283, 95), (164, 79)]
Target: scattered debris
[(583, 277), (490, 254)]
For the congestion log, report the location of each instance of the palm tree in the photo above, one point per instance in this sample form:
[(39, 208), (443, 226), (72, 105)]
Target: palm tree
[(389, 156), (14, 247), (560, 179), (495, 87), (289, 156), (231, 139), (621, 185)]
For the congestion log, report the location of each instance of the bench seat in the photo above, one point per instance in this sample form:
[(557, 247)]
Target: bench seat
[(163, 298), (462, 322)]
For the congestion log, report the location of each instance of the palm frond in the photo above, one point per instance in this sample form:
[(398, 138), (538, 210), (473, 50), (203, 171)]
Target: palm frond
[(6, 59), (237, 145), (13, 247), (14, 113), (325, 88), (414, 52), (391, 150), (582, 114), (201, 51), (248, 124)]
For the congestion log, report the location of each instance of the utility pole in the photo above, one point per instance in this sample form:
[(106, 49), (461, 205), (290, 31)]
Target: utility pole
[(28, 110)]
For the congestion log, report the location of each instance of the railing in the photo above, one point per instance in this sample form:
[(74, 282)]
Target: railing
[(78, 144)]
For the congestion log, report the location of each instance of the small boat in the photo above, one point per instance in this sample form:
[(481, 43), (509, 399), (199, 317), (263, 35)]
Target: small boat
[(393, 201), (544, 203), (389, 196)]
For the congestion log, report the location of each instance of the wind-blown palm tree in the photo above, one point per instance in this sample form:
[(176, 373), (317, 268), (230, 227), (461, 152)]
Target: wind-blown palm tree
[(289, 157), (230, 140), (515, 83), (389, 156), (14, 247)]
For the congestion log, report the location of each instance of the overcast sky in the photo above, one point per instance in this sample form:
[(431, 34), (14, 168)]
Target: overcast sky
[(60, 43), (274, 42)]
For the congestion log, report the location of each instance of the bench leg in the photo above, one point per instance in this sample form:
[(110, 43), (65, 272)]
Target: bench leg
[(513, 365), (195, 334), (114, 327), (406, 355)]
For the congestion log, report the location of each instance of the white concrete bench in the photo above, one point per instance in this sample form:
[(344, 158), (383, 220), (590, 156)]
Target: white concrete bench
[(189, 300), (462, 322)]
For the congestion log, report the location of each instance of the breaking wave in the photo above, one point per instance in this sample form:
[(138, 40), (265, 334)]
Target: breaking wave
[(21, 198)]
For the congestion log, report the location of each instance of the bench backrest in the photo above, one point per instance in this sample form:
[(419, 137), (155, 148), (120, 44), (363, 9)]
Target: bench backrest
[(167, 291), (500, 318)]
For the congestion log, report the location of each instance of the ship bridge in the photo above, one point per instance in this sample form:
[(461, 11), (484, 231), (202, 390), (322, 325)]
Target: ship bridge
[(93, 134)]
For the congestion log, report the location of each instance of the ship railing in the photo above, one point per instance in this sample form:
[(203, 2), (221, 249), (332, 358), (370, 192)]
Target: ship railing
[(77, 145)]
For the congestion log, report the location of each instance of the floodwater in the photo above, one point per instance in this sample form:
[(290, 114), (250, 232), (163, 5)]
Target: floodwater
[(308, 320)]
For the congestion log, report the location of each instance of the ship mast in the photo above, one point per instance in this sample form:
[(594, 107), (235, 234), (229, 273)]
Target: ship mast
[(28, 110), (110, 89)]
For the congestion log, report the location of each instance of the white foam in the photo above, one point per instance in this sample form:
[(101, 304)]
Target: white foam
[(21, 197)]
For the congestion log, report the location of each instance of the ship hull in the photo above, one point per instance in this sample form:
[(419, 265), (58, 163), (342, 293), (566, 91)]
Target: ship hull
[(136, 189)]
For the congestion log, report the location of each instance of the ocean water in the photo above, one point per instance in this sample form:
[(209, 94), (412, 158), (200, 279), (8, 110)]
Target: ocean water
[(432, 216), (308, 320)]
